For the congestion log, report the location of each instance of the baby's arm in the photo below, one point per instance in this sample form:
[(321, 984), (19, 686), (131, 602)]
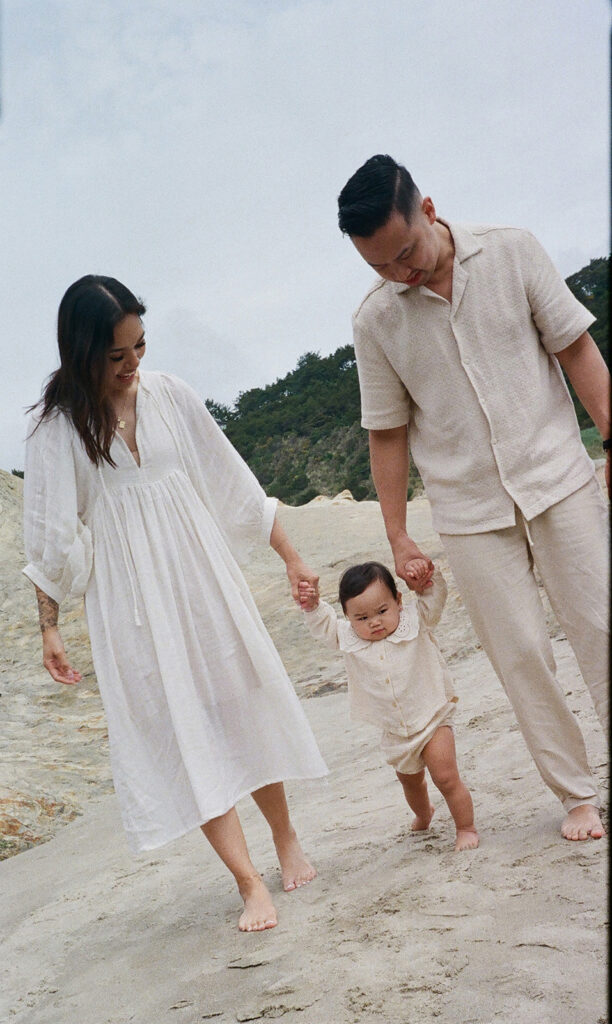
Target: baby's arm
[(308, 596), (418, 569), (320, 618)]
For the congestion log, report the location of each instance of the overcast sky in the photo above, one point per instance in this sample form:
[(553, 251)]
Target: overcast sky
[(195, 149)]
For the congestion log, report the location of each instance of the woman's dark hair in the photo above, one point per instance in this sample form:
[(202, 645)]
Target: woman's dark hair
[(380, 187), (87, 316), (356, 579)]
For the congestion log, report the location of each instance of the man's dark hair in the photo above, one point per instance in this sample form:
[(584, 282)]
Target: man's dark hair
[(356, 579), (374, 192)]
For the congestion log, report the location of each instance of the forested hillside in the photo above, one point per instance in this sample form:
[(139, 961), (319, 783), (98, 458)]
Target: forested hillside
[(301, 435)]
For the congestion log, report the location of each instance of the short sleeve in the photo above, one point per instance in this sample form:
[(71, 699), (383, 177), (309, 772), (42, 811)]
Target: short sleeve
[(58, 545), (559, 317), (431, 602), (231, 492), (385, 402)]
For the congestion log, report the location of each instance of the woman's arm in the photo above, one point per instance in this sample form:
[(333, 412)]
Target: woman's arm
[(54, 655), (297, 570)]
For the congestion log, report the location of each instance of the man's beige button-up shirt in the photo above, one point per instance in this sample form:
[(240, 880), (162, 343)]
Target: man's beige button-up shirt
[(490, 420)]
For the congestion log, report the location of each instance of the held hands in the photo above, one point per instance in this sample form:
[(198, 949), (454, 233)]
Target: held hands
[(55, 660), (309, 596), (418, 571), (298, 574), (411, 565)]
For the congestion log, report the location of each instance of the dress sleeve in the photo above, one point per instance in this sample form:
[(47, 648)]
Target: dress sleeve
[(431, 602), (559, 317), (322, 624), (58, 545), (226, 485)]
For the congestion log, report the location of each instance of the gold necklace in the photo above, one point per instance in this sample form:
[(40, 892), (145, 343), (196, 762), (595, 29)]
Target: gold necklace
[(120, 420)]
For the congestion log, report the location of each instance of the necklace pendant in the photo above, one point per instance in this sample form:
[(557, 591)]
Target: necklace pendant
[(121, 424)]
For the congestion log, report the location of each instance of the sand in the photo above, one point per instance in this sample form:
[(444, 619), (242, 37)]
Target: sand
[(396, 928)]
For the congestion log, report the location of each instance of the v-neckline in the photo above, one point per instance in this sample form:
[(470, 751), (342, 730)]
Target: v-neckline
[(136, 423)]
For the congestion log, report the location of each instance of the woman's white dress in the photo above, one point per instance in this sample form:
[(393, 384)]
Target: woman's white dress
[(199, 706)]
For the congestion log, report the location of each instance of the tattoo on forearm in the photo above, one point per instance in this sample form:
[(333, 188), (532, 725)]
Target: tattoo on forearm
[(48, 610)]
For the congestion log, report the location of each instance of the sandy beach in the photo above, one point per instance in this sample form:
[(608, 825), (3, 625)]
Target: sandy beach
[(396, 928)]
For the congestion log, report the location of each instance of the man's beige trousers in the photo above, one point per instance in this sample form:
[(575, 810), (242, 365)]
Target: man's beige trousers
[(494, 573)]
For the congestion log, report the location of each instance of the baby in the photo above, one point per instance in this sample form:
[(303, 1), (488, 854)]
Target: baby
[(399, 681)]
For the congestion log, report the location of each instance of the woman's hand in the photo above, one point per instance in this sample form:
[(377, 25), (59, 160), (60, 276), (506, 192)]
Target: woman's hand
[(297, 573), (309, 596), (55, 660)]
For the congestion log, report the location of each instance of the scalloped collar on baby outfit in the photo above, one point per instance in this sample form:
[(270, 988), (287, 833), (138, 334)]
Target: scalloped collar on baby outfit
[(407, 629)]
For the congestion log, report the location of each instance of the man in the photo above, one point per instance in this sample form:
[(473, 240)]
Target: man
[(459, 348)]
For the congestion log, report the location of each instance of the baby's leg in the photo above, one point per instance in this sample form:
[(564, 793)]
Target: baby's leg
[(415, 791), (296, 870), (226, 837), (440, 758)]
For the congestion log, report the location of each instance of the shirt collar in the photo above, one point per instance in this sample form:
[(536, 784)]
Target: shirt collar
[(407, 629), (466, 245)]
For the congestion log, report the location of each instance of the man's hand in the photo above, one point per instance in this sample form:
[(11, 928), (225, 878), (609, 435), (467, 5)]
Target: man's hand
[(418, 570), (309, 596), (405, 553)]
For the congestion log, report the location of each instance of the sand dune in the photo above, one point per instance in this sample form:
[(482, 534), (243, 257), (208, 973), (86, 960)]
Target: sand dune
[(396, 928)]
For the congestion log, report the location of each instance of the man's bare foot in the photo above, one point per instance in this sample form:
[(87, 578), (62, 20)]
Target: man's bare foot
[(467, 839), (420, 822), (259, 912), (583, 821), (296, 870)]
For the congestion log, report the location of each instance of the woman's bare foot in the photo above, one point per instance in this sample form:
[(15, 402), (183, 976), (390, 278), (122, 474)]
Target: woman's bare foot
[(259, 911), (420, 822), (467, 839), (583, 821), (296, 870)]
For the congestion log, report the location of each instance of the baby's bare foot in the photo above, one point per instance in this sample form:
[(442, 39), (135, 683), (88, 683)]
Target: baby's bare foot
[(467, 839), (296, 869), (259, 912), (583, 821), (421, 822)]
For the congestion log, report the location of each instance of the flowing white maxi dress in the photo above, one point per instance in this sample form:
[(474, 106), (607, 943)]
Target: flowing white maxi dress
[(199, 706)]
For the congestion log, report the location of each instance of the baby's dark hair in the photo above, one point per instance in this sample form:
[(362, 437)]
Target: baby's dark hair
[(355, 580)]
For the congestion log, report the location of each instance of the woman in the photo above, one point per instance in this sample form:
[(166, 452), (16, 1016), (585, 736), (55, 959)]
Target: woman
[(135, 498)]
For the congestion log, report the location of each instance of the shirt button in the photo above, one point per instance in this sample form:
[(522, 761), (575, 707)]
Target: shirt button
[(387, 680)]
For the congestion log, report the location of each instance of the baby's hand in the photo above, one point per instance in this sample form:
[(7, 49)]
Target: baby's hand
[(419, 572), (308, 596)]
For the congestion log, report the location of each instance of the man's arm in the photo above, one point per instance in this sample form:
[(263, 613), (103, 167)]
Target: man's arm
[(390, 462), (586, 369)]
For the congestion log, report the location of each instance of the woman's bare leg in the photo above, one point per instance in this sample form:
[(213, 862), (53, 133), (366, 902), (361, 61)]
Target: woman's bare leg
[(296, 870), (226, 837)]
